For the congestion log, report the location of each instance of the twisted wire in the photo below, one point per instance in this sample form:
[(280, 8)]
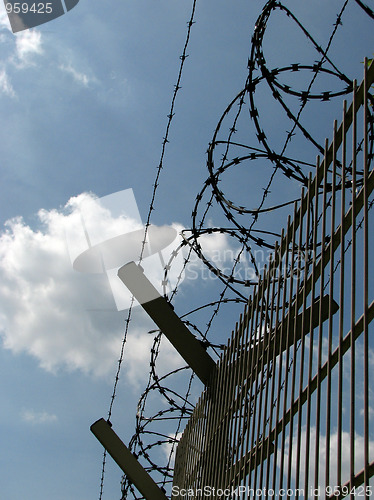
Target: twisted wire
[(241, 222)]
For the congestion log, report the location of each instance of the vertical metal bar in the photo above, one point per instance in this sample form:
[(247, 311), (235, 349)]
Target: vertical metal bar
[(288, 345), (191, 448), (199, 442), (330, 325), (203, 431), (275, 408), (293, 382), (256, 348), (203, 435), (353, 296), (239, 473), (234, 410), (216, 413), (241, 424), (209, 404), (252, 385), (195, 447), (186, 455), (241, 450), (320, 327), (219, 456), (366, 282), (262, 337), (341, 299), (214, 396), (282, 333), (260, 380), (302, 354), (233, 414), (265, 453), (275, 287), (189, 451), (224, 449), (192, 443), (310, 366), (229, 422), (216, 410), (249, 380)]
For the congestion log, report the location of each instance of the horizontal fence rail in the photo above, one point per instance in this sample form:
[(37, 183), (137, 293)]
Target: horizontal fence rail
[(290, 408)]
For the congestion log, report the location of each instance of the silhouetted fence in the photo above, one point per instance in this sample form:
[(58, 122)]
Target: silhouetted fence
[(292, 402)]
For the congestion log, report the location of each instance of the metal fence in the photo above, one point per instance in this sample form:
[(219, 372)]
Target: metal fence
[(290, 410)]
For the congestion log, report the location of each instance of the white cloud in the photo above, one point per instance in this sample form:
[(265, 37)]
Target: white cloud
[(78, 76), (170, 448), (4, 21), (33, 417), (216, 247), (5, 85), (28, 43), (19, 51), (224, 254), (345, 467), (64, 318)]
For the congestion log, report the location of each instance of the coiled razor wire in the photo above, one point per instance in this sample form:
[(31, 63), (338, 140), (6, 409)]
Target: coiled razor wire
[(241, 143)]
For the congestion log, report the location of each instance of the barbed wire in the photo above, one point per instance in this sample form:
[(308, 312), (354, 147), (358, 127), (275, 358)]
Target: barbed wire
[(247, 144), (170, 116)]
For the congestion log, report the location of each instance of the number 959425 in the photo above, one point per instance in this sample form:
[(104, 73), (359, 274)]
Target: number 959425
[(24, 8)]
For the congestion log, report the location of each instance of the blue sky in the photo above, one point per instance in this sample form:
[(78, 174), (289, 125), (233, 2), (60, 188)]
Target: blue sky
[(84, 101)]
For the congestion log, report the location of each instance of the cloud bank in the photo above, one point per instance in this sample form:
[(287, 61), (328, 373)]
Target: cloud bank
[(333, 450), (65, 319)]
